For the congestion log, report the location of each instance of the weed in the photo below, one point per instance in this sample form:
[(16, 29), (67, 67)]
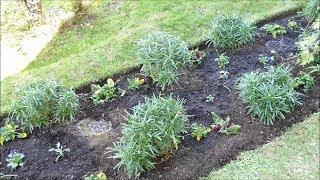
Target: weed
[(15, 159), (274, 30), (222, 60), (59, 151)]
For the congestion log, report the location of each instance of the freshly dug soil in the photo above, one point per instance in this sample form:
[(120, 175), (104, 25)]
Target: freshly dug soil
[(192, 159)]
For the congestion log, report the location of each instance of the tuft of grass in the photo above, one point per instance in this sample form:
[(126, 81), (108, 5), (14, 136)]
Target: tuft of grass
[(312, 10), (294, 155)]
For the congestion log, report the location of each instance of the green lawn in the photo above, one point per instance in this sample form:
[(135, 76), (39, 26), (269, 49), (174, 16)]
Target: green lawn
[(295, 155), (85, 53)]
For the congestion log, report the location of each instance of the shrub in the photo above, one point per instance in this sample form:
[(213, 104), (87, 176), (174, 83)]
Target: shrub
[(43, 103), (231, 31), (312, 10), (309, 48), (108, 92), (162, 55), (223, 60), (274, 30), (268, 94), (152, 130)]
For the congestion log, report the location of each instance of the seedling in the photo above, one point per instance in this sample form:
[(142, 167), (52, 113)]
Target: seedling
[(198, 57), (59, 151), (15, 159), (292, 25), (222, 60), (224, 126), (199, 131), (100, 176), (210, 98), (224, 74), (9, 133), (135, 83), (265, 59), (107, 92), (274, 30)]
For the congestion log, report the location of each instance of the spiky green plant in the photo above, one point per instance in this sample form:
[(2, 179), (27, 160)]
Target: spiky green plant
[(269, 94), (231, 31), (162, 56), (312, 10)]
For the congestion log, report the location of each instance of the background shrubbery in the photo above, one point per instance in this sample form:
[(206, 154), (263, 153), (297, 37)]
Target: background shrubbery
[(153, 129)]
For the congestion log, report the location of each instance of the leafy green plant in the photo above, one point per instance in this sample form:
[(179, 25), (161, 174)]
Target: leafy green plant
[(224, 74), (224, 126), (135, 83), (314, 69), (231, 31), (274, 30), (10, 132), (108, 92), (268, 94), (43, 103), (309, 48), (312, 10), (265, 59), (100, 176), (162, 57), (306, 81), (223, 60), (15, 159), (198, 56), (209, 98), (59, 151), (292, 25), (199, 131), (153, 129)]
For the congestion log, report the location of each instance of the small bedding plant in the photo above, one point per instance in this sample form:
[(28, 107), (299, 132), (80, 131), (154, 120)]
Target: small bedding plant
[(292, 25), (309, 46), (269, 95), (305, 80), (162, 56), (275, 30), (198, 56), (108, 92), (223, 60), (199, 131), (224, 126), (10, 132), (224, 74), (15, 159), (59, 151), (43, 103), (231, 31), (152, 130), (99, 176), (135, 83)]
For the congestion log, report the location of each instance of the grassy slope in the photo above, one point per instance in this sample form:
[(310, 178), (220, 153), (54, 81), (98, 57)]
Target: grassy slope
[(295, 155), (82, 54)]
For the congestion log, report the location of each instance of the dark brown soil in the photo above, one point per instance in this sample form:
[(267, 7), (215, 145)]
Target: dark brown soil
[(193, 159)]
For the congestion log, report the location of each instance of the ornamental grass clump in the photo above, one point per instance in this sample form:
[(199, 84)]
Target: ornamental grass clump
[(269, 94), (43, 103), (231, 31), (153, 129), (162, 56), (312, 10)]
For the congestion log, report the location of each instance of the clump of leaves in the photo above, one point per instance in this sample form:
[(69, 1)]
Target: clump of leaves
[(10, 132), (312, 10), (275, 30), (15, 159), (135, 83), (265, 59), (199, 131), (224, 74), (59, 151), (43, 103), (108, 92), (306, 81), (209, 98), (162, 56), (153, 129), (224, 126), (231, 31), (198, 56), (223, 60), (99, 176), (292, 25), (309, 48), (269, 94)]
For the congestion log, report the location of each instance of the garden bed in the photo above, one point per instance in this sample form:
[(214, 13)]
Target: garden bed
[(193, 159)]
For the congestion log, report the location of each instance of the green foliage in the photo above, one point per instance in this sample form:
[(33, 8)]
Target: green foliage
[(309, 48), (154, 129), (231, 31), (268, 94), (223, 60), (59, 151), (199, 131), (198, 56), (108, 92), (224, 126), (10, 132), (135, 83), (209, 98), (15, 159), (43, 103), (274, 30), (100, 176), (306, 81), (224, 74), (162, 55), (265, 59), (292, 25), (312, 10)]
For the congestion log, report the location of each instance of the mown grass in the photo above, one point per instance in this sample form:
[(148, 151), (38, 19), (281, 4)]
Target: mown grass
[(104, 43), (294, 155)]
